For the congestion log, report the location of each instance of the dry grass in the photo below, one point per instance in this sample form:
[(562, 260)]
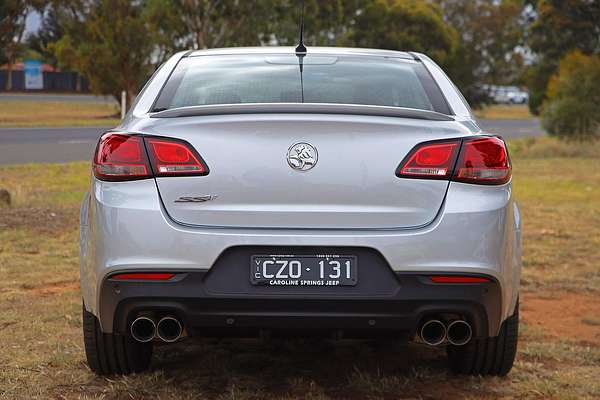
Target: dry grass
[(56, 113), (547, 147), (560, 197), (504, 111), (40, 328), (64, 113)]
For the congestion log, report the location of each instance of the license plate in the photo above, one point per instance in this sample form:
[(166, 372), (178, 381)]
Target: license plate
[(303, 270)]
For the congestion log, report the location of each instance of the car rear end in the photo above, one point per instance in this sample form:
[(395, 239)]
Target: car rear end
[(342, 193)]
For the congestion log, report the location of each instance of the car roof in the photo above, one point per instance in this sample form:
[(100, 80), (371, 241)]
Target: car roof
[(311, 50)]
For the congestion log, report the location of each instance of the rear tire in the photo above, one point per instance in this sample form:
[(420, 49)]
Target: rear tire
[(113, 354), (489, 356)]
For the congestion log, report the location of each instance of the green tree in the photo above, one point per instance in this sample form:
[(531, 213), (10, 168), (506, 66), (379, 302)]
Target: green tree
[(202, 24), (571, 109), (404, 25), (12, 28), (49, 32), (164, 20), (559, 27), (327, 23), (488, 52), (110, 42)]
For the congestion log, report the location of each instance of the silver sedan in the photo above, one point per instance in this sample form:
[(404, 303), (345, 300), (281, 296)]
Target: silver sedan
[(262, 191)]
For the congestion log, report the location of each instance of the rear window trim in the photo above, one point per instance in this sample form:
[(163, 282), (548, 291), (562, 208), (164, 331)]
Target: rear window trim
[(432, 89), (408, 56)]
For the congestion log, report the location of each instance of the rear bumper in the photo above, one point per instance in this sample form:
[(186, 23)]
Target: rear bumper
[(125, 228), (205, 313)]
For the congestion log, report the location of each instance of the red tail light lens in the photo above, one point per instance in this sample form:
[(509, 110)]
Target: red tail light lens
[(121, 157), (483, 160), (459, 279), (143, 276), (174, 157), (434, 160)]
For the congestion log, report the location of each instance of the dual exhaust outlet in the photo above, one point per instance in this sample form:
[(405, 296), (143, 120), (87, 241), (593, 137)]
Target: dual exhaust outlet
[(168, 329), (434, 332)]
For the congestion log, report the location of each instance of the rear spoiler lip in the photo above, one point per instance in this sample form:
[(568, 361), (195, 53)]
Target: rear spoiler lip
[(301, 108)]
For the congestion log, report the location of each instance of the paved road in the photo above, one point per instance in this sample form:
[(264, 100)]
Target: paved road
[(23, 145), (512, 128)]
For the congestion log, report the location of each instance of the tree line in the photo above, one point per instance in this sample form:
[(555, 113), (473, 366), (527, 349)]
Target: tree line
[(549, 46)]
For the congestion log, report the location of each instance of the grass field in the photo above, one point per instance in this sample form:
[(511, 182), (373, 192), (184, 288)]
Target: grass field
[(41, 352), (56, 113), (504, 111), (62, 113)]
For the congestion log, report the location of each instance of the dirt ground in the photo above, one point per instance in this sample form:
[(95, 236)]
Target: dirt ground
[(561, 315), (41, 347)]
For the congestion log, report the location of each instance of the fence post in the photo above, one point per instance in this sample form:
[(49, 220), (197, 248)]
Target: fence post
[(123, 103)]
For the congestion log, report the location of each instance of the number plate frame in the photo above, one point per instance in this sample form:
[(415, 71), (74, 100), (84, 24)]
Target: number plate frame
[(310, 270)]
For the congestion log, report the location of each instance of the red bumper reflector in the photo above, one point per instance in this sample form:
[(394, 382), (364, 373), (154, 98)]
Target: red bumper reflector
[(143, 276), (459, 279)]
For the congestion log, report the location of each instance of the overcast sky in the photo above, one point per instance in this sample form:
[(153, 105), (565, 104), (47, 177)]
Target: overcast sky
[(33, 22)]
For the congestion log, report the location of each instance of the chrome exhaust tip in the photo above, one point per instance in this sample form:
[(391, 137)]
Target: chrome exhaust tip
[(143, 329), (459, 333), (433, 332), (169, 329)]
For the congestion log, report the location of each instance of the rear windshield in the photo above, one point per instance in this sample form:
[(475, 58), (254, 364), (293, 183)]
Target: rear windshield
[(235, 79)]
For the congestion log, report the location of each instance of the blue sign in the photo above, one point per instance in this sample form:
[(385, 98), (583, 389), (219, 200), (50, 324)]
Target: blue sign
[(34, 78)]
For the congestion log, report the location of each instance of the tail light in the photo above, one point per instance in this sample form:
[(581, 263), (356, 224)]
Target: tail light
[(143, 276), (123, 157), (481, 160), (173, 157), (433, 160), (459, 279)]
